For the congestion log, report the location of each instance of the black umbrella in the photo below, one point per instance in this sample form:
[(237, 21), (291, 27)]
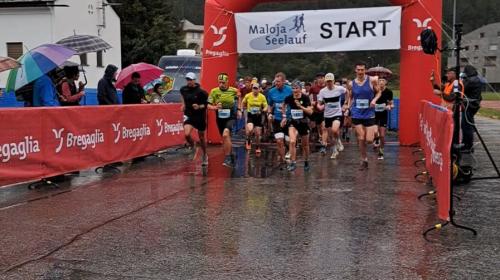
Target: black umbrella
[(379, 71), (85, 43)]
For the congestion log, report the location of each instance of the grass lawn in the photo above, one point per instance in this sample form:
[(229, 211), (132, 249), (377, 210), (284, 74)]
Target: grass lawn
[(486, 95), (489, 113)]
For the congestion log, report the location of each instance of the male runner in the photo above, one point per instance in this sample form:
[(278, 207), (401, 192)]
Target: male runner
[(384, 104), (329, 98), (316, 123), (226, 101), (194, 106), (276, 97), (255, 104), (295, 111), (363, 95)]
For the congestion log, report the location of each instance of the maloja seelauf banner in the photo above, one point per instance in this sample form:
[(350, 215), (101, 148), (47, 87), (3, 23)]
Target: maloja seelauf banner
[(319, 30)]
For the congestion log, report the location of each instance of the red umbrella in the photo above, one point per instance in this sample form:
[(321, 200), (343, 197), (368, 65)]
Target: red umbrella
[(147, 71), (7, 63), (379, 71)]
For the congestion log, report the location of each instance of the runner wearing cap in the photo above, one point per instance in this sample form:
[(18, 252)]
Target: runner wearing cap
[(295, 110), (317, 119), (364, 92), (256, 104), (329, 99), (276, 97), (384, 104), (226, 101), (194, 106)]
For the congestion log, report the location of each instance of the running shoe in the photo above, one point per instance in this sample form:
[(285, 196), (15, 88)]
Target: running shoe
[(340, 146), (292, 166), (258, 151), (287, 156), (307, 167), (381, 154), (334, 155), (322, 150), (228, 162), (204, 160), (363, 165)]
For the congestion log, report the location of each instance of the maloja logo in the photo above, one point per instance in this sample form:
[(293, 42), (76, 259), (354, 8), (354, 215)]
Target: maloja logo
[(164, 127), (221, 32), (422, 24)]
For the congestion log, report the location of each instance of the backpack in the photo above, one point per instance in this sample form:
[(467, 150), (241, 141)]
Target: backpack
[(429, 41)]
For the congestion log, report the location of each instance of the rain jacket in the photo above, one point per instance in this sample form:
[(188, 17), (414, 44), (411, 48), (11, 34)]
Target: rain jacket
[(106, 91), (44, 93), (473, 86)]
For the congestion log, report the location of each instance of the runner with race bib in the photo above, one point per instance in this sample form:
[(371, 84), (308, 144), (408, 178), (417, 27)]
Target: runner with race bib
[(363, 95), (329, 99), (296, 109), (227, 103)]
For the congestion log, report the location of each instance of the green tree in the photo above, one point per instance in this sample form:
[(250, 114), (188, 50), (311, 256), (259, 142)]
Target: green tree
[(149, 30)]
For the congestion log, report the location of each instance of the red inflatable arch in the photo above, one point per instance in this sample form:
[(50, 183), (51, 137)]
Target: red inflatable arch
[(220, 54)]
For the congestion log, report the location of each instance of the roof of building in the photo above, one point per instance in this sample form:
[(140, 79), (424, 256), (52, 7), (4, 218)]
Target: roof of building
[(25, 3), (189, 26)]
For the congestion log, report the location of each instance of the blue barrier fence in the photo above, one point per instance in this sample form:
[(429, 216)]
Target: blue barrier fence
[(8, 99)]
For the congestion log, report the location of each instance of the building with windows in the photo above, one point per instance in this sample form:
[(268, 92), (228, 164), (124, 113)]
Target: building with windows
[(193, 35), (481, 50), (26, 24)]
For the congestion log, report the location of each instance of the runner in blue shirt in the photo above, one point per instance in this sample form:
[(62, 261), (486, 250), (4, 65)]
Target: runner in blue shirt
[(364, 92), (276, 97)]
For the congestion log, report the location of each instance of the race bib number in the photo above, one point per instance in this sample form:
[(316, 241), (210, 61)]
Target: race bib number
[(254, 110), (224, 113), (333, 106), (362, 103), (380, 107), (297, 114)]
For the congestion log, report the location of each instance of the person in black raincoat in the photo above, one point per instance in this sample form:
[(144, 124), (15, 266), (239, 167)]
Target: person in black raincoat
[(106, 91), (472, 91)]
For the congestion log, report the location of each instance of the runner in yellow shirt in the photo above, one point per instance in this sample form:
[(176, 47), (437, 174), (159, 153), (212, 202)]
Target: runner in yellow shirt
[(255, 104)]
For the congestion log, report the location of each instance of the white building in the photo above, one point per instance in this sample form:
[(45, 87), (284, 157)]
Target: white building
[(193, 35), (26, 24)]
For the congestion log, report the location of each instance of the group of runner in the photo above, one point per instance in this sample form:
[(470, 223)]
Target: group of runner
[(292, 112)]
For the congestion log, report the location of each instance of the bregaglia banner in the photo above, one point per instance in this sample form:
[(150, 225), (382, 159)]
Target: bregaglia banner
[(37, 143)]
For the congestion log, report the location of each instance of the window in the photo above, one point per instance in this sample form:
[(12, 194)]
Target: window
[(481, 35), (490, 61), (14, 50), (476, 47), (498, 33), (466, 48), (493, 47), (476, 60), (83, 60), (463, 60), (483, 72), (193, 35), (99, 59)]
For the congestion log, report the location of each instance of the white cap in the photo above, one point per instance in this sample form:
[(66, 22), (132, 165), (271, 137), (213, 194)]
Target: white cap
[(191, 76), (330, 77)]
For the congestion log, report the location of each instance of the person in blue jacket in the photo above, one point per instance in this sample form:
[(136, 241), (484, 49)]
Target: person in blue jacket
[(44, 93)]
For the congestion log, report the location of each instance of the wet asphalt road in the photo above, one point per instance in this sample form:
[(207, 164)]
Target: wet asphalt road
[(166, 220)]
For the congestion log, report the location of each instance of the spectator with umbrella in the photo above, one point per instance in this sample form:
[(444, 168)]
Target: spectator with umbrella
[(7, 63), (106, 90), (35, 64), (133, 92), (70, 93)]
